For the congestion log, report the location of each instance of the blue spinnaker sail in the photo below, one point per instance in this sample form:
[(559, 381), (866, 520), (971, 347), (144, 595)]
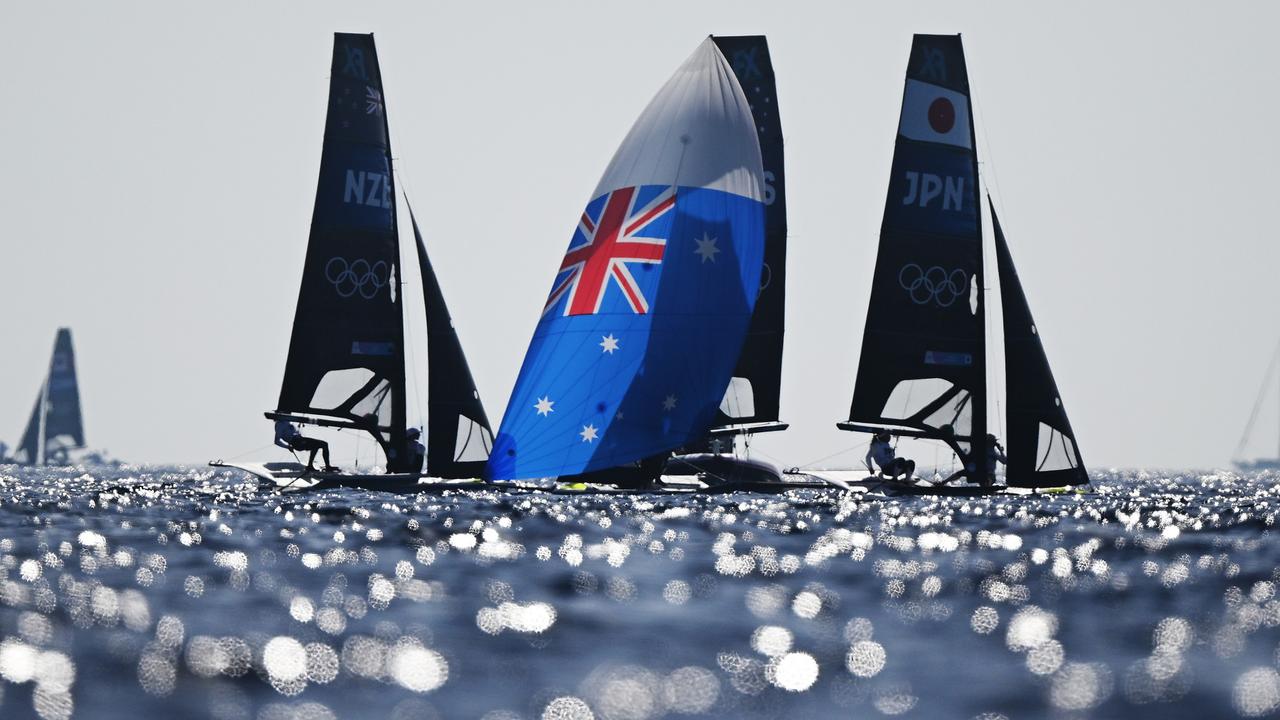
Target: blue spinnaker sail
[(650, 305)]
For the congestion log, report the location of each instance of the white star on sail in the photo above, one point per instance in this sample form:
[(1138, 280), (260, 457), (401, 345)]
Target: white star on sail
[(543, 407), (609, 343), (588, 433), (706, 248), (669, 403)]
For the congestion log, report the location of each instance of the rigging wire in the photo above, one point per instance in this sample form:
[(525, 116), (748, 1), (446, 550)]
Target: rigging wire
[(251, 452), (1257, 404)]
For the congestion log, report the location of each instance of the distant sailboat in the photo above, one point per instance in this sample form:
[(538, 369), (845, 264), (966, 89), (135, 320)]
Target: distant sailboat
[(751, 403), (346, 363), (1238, 457), (652, 301), (923, 365), (56, 426)]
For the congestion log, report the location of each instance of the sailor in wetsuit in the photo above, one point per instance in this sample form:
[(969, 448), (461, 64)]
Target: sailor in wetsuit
[(881, 451), (417, 451), (995, 454), (289, 438)]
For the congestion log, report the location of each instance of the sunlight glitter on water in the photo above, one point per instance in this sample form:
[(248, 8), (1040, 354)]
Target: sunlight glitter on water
[(194, 593)]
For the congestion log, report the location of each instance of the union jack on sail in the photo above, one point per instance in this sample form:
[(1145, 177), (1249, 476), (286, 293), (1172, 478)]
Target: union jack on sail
[(622, 230)]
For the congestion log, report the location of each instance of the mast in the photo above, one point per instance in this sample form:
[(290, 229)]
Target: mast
[(981, 447), (346, 355), (923, 359)]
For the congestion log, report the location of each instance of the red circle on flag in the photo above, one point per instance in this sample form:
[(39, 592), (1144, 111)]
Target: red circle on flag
[(942, 115)]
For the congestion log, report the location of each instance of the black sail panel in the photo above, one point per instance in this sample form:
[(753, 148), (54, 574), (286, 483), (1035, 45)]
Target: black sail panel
[(346, 354), (753, 393), (63, 424), (923, 350), (56, 426), (458, 434), (28, 452), (1042, 448)]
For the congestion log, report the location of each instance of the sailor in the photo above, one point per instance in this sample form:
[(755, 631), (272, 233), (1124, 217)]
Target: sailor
[(417, 451), (289, 438), (881, 451), (995, 454)]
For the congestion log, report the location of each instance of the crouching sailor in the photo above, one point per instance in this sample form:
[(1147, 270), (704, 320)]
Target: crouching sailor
[(417, 451), (995, 454), (289, 438), (891, 466)]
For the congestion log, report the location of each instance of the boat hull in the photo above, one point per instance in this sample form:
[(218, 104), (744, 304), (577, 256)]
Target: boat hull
[(291, 477)]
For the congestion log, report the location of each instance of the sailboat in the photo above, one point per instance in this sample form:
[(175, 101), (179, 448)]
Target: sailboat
[(56, 427), (923, 367), (652, 301), (751, 402), (346, 367), (1238, 457)]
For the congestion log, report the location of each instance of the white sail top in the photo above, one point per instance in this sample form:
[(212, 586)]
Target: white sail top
[(703, 107)]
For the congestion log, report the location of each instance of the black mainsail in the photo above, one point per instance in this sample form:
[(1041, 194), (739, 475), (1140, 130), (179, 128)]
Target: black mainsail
[(1042, 448), (459, 437), (56, 426), (346, 356), (923, 363), (752, 399)]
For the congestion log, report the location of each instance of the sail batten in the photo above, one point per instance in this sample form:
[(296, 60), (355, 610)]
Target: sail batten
[(923, 361), (1042, 449), (346, 352)]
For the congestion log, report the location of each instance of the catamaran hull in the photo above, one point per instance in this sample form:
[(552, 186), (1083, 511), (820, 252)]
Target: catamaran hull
[(294, 477), (715, 469)]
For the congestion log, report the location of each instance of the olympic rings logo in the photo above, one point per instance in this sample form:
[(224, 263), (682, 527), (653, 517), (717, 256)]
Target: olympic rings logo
[(935, 285), (358, 276)]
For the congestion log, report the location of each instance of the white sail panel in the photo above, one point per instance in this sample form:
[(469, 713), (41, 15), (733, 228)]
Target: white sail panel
[(702, 105)]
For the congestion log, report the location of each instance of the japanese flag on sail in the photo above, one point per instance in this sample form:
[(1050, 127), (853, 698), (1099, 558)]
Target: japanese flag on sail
[(935, 114)]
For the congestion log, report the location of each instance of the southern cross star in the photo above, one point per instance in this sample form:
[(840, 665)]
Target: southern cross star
[(669, 403), (543, 407), (588, 433), (609, 343), (706, 248)]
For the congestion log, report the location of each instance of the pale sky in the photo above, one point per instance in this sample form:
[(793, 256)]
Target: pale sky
[(159, 169)]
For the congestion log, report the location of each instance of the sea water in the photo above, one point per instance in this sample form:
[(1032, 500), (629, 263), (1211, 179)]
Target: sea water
[(191, 593)]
